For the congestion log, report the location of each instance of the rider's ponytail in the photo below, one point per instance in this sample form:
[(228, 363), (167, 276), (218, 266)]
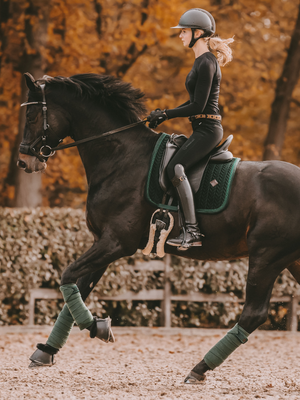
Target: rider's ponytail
[(220, 46)]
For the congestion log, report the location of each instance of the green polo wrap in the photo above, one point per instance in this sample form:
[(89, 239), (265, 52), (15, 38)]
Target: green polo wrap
[(76, 306), (61, 329), (231, 341)]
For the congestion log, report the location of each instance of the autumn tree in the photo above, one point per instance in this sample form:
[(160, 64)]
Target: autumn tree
[(133, 41), (283, 96), (26, 32), (81, 36)]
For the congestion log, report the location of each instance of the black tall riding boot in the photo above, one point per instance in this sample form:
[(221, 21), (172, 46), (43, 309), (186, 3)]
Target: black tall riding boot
[(191, 235)]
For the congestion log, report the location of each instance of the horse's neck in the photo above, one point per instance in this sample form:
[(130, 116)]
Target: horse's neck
[(116, 154)]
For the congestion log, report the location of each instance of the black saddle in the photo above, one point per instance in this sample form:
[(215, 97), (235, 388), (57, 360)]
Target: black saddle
[(219, 154)]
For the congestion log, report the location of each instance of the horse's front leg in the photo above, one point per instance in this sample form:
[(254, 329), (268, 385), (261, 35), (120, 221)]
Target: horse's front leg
[(87, 271), (260, 281)]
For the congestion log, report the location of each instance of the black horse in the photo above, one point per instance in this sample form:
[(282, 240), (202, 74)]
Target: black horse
[(262, 219)]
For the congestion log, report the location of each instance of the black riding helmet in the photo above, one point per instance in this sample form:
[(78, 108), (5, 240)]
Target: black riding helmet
[(197, 18)]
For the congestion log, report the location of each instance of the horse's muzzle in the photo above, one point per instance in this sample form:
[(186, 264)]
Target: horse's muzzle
[(30, 164)]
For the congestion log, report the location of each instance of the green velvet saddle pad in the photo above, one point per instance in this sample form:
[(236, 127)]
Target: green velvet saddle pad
[(209, 199)]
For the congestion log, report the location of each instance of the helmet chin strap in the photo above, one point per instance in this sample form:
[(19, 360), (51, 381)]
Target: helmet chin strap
[(194, 40)]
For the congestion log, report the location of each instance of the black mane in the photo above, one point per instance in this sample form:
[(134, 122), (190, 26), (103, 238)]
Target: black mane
[(105, 89)]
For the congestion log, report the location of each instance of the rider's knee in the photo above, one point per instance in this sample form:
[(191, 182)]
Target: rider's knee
[(175, 173)]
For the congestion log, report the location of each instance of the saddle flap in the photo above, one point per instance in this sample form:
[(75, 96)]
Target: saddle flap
[(196, 173), (219, 154), (215, 186)]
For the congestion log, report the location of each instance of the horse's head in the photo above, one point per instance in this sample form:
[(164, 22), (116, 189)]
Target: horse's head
[(84, 104), (46, 126)]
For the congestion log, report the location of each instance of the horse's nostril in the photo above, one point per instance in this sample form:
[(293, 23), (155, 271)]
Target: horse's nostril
[(22, 164)]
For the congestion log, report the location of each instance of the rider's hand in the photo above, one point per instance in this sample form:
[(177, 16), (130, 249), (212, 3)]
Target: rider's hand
[(156, 117)]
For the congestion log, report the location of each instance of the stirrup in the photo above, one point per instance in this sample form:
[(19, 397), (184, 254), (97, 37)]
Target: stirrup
[(185, 246), (175, 242), (182, 245), (194, 240)]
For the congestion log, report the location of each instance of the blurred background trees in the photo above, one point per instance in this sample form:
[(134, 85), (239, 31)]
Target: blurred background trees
[(133, 41), (283, 96)]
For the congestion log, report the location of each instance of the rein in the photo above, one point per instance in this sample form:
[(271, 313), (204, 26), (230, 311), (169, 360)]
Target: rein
[(89, 139), (47, 151)]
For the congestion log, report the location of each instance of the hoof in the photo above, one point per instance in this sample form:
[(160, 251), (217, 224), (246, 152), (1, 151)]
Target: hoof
[(41, 359), (35, 364), (194, 379), (102, 330)]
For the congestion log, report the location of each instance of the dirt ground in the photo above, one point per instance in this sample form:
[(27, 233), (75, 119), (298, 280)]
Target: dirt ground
[(147, 363)]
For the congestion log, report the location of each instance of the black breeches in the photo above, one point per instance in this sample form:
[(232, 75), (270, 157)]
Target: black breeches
[(205, 137)]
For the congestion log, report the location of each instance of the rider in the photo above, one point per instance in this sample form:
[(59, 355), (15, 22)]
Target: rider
[(203, 85)]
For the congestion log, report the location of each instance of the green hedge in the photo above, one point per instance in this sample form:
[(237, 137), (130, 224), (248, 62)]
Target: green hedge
[(37, 244)]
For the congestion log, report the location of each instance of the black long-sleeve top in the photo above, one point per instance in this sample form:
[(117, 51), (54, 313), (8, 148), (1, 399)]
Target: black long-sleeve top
[(203, 86)]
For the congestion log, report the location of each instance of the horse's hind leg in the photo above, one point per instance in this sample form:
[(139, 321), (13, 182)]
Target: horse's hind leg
[(262, 275)]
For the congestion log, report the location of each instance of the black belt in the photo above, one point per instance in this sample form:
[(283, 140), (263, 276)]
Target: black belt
[(205, 116)]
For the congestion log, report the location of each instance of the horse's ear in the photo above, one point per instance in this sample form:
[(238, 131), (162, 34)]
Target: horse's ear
[(30, 82)]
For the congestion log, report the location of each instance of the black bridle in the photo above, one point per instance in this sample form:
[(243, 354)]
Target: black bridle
[(45, 151)]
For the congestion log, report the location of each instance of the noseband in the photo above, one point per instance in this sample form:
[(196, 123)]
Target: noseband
[(46, 150)]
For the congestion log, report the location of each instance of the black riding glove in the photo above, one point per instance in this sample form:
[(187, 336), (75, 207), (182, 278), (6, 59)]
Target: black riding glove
[(156, 117)]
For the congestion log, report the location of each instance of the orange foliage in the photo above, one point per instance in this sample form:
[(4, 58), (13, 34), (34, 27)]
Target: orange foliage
[(133, 40)]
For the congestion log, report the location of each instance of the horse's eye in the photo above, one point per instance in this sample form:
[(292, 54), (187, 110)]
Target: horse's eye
[(31, 119)]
